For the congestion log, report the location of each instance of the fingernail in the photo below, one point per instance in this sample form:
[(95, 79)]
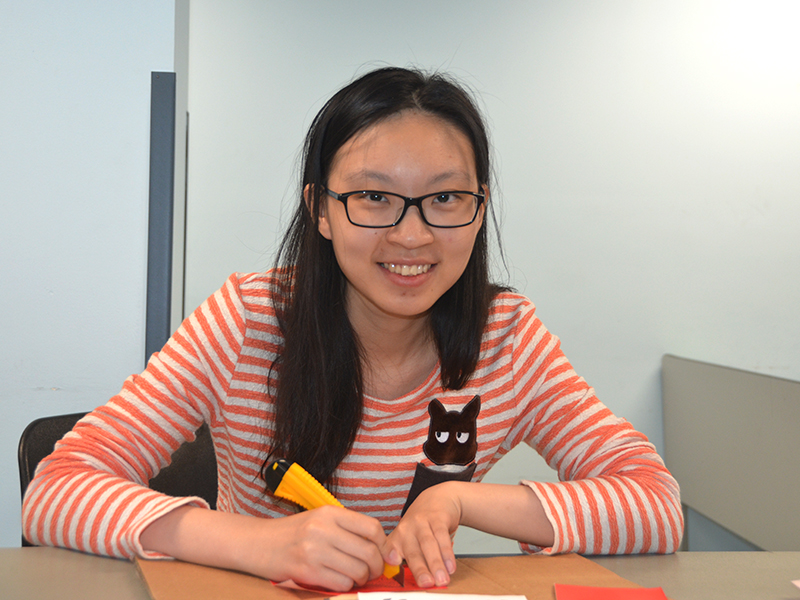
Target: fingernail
[(425, 580), (394, 558), (441, 577), (451, 566)]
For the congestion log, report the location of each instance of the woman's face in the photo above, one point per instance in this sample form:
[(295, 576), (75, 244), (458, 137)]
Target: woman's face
[(401, 271)]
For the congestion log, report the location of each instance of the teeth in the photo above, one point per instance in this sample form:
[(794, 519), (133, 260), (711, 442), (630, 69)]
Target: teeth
[(406, 270)]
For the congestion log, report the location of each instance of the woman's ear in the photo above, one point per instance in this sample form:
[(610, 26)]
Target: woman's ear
[(323, 225), (484, 206)]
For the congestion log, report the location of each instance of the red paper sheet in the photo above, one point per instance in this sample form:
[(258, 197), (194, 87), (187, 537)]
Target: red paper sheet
[(583, 592), (384, 584), (381, 584)]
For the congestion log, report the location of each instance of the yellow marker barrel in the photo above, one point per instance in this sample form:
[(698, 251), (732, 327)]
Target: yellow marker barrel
[(292, 482)]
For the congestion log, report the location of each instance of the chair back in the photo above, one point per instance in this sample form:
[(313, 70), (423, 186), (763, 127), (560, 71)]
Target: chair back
[(38, 440), (192, 472)]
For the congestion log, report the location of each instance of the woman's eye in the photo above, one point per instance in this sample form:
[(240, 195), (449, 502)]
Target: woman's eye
[(441, 436), (444, 198), (462, 437), (373, 197)]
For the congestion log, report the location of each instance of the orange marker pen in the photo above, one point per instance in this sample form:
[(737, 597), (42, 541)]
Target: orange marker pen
[(292, 482)]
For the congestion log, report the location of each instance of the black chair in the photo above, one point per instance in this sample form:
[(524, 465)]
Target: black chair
[(192, 472)]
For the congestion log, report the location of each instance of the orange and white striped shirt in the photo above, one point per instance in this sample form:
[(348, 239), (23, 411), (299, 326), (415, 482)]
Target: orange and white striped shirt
[(614, 496)]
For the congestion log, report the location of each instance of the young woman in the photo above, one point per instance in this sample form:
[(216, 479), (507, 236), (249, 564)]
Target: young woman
[(378, 356)]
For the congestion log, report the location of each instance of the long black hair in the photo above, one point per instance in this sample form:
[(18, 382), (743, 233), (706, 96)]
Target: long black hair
[(319, 390)]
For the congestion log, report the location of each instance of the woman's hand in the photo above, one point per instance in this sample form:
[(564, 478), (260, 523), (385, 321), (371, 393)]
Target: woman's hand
[(424, 536), (329, 547)]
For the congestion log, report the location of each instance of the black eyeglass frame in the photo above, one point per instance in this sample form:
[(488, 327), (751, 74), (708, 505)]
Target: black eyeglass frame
[(409, 201)]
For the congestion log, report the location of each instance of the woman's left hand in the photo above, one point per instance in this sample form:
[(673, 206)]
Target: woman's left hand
[(424, 536), (425, 533)]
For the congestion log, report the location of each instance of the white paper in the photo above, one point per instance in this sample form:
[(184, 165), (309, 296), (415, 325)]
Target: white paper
[(400, 595)]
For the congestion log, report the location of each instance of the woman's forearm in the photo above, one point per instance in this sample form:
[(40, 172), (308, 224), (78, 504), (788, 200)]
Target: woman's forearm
[(206, 537), (510, 511), (328, 547)]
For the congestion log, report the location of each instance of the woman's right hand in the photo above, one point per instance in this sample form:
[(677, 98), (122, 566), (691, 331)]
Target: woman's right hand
[(329, 547)]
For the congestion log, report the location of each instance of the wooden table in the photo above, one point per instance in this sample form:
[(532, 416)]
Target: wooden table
[(45, 573)]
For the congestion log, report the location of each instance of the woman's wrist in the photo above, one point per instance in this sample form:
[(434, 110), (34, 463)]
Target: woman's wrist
[(209, 537), (160, 535), (506, 510)]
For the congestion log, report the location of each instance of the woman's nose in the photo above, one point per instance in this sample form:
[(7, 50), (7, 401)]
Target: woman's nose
[(411, 231)]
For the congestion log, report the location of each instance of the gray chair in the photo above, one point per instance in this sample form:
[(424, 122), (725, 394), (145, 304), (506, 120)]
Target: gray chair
[(192, 472)]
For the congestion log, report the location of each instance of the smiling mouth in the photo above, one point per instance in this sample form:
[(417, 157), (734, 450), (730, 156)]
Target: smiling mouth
[(406, 270)]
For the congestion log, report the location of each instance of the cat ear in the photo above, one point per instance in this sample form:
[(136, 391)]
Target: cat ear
[(472, 409), (436, 409)]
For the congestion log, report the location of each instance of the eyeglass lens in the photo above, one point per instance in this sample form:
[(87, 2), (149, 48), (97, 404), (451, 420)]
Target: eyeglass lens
[(446, 209)]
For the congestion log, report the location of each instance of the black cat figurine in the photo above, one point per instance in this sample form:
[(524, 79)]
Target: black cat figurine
[(451, 446), (452, 435)]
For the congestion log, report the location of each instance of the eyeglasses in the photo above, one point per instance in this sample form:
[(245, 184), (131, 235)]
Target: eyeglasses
[(371, 208)]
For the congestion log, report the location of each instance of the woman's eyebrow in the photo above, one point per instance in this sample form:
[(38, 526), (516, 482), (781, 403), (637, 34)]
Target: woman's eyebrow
[(388, 179), (367, 174), (450, 175)]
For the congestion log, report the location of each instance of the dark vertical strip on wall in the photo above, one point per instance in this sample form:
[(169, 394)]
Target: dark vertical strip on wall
[(185, 220), (159, 236)]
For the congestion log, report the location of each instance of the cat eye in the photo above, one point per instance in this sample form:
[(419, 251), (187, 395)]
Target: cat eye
[(441, 436), (462, 437)]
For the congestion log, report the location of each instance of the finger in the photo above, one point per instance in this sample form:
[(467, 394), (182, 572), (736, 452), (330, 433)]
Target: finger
[(445, 538), (327, 539), (361, 558), (351, 570), (314, 561), (436, 547), (391, 554), (416, 562), (362, 538), (366, 527), (327, 578), (341, 562)]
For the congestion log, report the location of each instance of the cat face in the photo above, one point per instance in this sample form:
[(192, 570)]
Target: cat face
[(452, 435)]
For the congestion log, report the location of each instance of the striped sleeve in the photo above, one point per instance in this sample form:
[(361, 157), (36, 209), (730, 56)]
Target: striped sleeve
[(614, 495), (90, 494)]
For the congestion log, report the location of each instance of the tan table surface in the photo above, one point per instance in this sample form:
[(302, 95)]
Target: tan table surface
[(57, 574), (529, 576), (44, 573)]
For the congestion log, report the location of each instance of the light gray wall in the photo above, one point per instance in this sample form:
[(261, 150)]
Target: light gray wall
[(74, 151), (647, 157)]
